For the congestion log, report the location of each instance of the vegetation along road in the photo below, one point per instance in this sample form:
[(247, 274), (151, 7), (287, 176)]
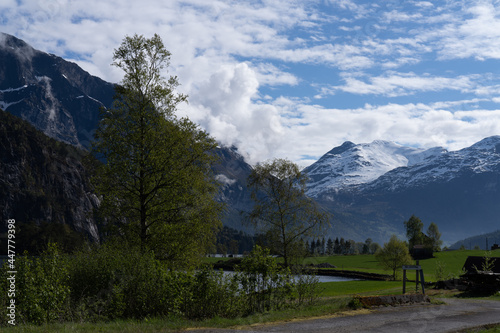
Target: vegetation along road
[(455, 315)]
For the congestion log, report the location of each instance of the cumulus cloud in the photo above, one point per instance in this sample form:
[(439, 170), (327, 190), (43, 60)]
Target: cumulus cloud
[(224, 105)]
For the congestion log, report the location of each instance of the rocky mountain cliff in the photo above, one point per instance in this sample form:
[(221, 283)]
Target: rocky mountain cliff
[(232, 172), (54, 95), (63, 101), (42, 180)]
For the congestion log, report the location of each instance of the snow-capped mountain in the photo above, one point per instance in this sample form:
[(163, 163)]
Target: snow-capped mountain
[(54, 95), (458, 190), (482, 157), (354, 164)]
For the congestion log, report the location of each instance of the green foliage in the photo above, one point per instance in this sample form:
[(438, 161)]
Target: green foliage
[(266, 285), (414, 231), (434, 237), (488, 263), (110, 283), (157, 185), (215, 294), (281, 208), (307, 288), (355, 303), (42, 292), (393, 255)]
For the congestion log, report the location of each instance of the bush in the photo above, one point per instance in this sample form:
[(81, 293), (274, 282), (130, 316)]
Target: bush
[(41, 288), (214, 294), (266, 286), (307, 288), (109, 282)]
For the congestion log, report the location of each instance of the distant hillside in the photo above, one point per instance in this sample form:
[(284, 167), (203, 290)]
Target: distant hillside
[(43, 186), (481, 240)]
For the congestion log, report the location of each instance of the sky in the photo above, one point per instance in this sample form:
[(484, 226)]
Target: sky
[(295, 78)]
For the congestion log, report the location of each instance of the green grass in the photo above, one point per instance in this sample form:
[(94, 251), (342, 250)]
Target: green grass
[(453, 262), (324, 307), (485, 329), (363, 288)]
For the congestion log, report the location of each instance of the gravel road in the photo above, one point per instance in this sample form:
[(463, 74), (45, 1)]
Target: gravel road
[(455, 315)]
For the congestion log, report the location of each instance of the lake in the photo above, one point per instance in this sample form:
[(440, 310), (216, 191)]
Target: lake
[(321, 278)]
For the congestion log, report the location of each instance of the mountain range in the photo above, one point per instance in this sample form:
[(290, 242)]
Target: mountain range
[(370, 189), (373, 188)]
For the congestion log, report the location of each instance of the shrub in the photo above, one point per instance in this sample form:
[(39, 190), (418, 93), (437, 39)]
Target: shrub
[(42, 291), (109, 282), (266, 286), (214, 294)]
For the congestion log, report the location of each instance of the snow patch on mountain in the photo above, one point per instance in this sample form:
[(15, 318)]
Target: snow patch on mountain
[(482, 157), (353, 164)]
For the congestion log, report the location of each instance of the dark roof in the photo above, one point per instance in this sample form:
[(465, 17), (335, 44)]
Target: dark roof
[(472, 262)]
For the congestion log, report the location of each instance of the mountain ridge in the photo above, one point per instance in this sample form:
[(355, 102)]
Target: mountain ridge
[(54, 95), (355, 164), (458, 190)]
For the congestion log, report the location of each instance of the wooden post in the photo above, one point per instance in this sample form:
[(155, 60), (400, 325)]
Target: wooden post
[(404, 281), (416, 277), (423, 282), (420, 274)]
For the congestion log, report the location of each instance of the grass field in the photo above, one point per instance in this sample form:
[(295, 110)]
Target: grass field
[(451, 262)]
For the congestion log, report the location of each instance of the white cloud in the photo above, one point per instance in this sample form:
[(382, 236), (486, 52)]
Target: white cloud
[(251, 68), (407, 124), (224, 105), (473, 33), (394, 84)]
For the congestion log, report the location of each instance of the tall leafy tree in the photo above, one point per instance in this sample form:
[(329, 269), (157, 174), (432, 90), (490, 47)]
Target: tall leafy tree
[(281, 207), (414, 232), (393, 255), (156, 183), (434, 237)]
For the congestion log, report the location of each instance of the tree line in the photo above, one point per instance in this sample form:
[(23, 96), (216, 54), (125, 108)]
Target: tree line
[(340, 246)]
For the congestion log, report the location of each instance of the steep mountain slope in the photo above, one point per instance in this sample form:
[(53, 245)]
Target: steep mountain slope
[(484, 241), (459, 190), (54, 95), (42, 180)]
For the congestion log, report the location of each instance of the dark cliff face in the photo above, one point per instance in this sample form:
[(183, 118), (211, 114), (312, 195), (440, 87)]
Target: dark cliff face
[(54, 95), (232, 173), (43, 181)]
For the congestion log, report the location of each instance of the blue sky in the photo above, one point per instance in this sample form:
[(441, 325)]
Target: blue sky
[(286, 78)]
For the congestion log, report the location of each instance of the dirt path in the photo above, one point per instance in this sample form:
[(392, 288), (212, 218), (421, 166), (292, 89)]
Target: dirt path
[(454, 316)]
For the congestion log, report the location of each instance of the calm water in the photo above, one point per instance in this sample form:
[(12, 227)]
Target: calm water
[(321, 278)]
